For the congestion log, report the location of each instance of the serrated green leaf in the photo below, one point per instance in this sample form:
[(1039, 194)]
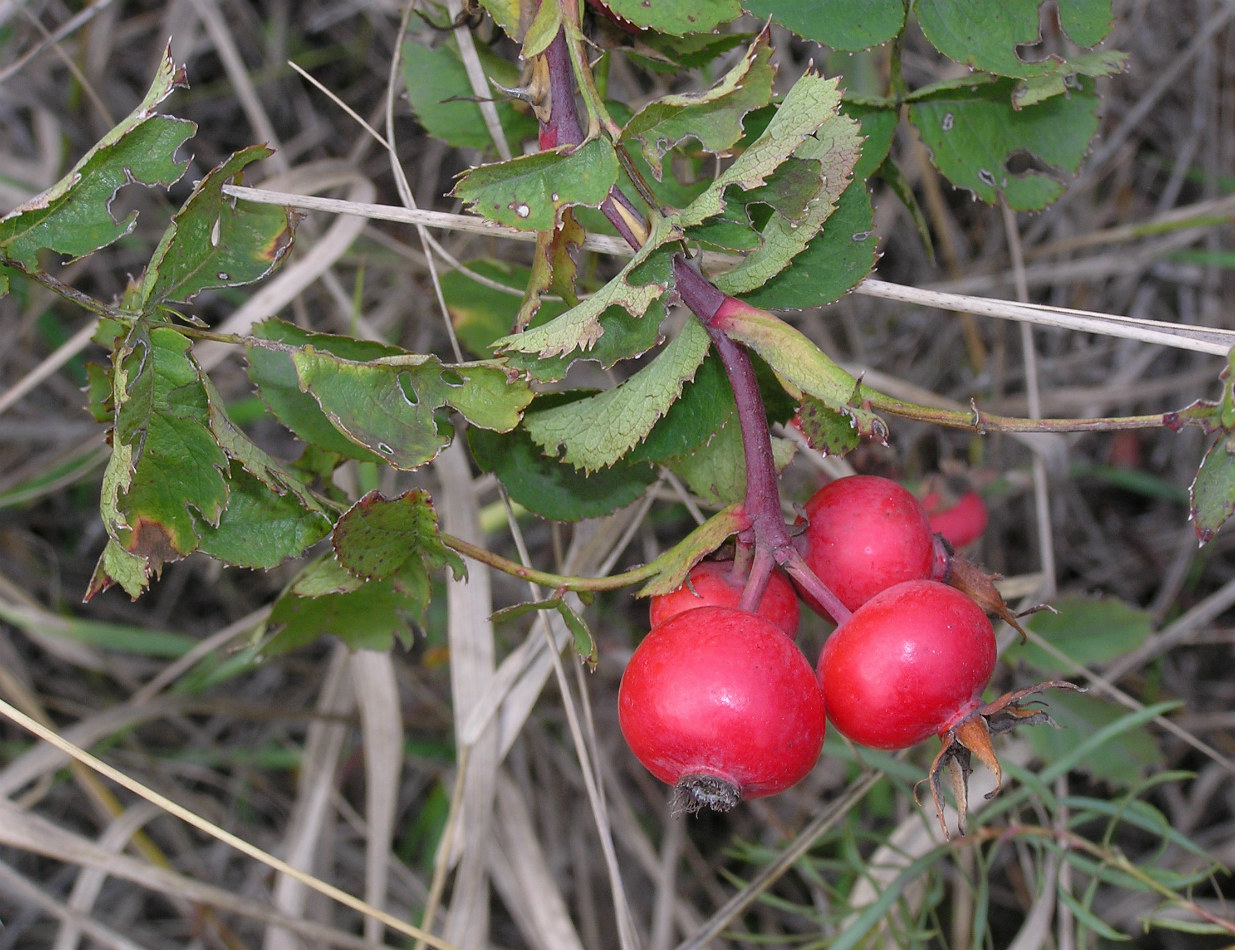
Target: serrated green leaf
[(974, 132), (1089, 631), (74, 216), (166, 469), (529, 191), (261, 528), (986, 36), (273, 371), (840, 24), (637, 289), (214, 241), (597, 431), (481, 313), (390, 406), (812, 102), (676, 17), (703, 408), (801, 364), (675, 564), (377, 536), (835, 145), (1212, 494), (836, 260), (513, 16), (1124, 760), (1061, 76), (713, 118), (551, 488), (442, 97)]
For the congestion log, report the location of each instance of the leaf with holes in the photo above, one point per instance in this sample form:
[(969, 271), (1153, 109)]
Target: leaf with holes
[(74, 216), (215, 241), (714, 118), (597, 431), (974, 132), (987, 35), (273, 371), (637, 289), (166, 469), (391, 406), (529, 191)]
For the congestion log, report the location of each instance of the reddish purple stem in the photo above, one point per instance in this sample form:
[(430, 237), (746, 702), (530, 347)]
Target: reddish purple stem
[(766, 535)]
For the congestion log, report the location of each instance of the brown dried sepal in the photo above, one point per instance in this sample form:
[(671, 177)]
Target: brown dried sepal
[(972, 736), (980, 587)]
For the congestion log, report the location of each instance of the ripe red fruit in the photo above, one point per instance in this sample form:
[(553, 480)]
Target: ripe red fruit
[(721, 704), (713, 583), (866, 533), (909, 664), (962, 523)]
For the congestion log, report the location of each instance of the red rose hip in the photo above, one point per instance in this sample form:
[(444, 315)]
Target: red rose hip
[(721, 704), (713, 584), (866, 533), (909, 664)]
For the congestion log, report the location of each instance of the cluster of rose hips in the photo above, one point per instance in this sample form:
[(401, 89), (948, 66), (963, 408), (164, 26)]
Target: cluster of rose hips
[(721, 703)]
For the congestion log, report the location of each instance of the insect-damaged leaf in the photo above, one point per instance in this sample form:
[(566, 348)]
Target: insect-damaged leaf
[(528, 191), (974, 130), (391, 405), (597, 431), (215, 241), (166, 469), (713, 118), (74, 216), (988, 36)]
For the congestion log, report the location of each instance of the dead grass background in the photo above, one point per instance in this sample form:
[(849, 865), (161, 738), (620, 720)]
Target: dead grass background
[(540, 830)]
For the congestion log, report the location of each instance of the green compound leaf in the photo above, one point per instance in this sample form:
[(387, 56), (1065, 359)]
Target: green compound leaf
[(676, 17), (391, 406), (835, 261), (1212, 494), (274, 373), (636, 289), (554, 489), (835, 145), (974, 131), (166, 470), (713, 118), (840, 24), (214, 241), (261, 528), (74, 216), (442, 97), (601, 429), (378, 536), (528, 191), (986, 35)]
